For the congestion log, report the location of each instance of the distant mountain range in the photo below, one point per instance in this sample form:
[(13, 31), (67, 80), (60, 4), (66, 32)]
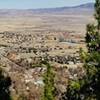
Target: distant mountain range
[(84, 8), (87, 5)]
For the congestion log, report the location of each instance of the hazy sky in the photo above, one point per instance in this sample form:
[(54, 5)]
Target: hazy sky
[(28, 4)]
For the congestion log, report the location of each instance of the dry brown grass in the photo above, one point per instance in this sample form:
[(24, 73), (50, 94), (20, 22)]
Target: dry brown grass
[(45, 22)]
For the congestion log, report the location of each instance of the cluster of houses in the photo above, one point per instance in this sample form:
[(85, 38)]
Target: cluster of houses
[(24, 53)]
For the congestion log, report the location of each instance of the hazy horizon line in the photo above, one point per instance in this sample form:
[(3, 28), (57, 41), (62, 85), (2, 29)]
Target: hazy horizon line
[(45, 7)]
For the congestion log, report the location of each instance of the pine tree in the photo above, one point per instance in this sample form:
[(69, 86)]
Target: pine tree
[(88, 88), (5, 83), (49, 87)]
